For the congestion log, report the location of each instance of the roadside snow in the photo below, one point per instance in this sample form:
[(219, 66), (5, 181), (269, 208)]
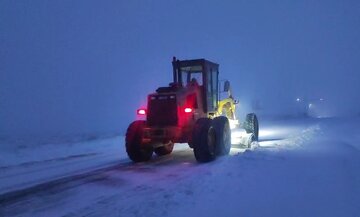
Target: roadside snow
[(302, 167), (319, 178), (313, 173), (23, 166)]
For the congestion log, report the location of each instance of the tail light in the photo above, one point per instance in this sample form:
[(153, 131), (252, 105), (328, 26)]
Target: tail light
[(141, 111), (188, 110)]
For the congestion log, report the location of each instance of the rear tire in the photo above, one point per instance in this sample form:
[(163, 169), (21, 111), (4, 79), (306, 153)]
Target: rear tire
[(164, 150), (204, 140), (223, 135), (251, 125), (133, 142)]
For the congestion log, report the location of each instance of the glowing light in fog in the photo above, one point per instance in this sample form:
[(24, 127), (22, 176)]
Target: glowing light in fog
[(233, 124), (266, 133), (297, 99), (237, 136)]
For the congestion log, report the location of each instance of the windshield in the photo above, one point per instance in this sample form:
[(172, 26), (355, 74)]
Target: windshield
[(191, 75)]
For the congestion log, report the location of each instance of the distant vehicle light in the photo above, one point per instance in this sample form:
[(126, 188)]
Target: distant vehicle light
[(188, 110), (141, 112)]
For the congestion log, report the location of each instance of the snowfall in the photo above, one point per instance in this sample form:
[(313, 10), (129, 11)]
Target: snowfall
[(300, 167)]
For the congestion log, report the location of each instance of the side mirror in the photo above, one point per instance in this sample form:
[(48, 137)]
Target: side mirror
[(227, 86)]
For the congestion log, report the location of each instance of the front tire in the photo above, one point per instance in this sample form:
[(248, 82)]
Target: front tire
[(204, 140), (250, 141), (136, 151), (223, 135), (251, 125)]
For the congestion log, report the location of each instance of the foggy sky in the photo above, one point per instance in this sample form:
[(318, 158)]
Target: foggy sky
[(70, 67)]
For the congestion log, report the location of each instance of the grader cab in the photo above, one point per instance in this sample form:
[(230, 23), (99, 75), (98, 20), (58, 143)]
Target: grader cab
[(189, 110)]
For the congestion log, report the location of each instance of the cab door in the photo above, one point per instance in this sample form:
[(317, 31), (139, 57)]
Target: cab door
[(212, 74)]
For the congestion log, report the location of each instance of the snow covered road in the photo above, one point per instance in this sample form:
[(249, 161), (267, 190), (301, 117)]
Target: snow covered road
[(303, 167)]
